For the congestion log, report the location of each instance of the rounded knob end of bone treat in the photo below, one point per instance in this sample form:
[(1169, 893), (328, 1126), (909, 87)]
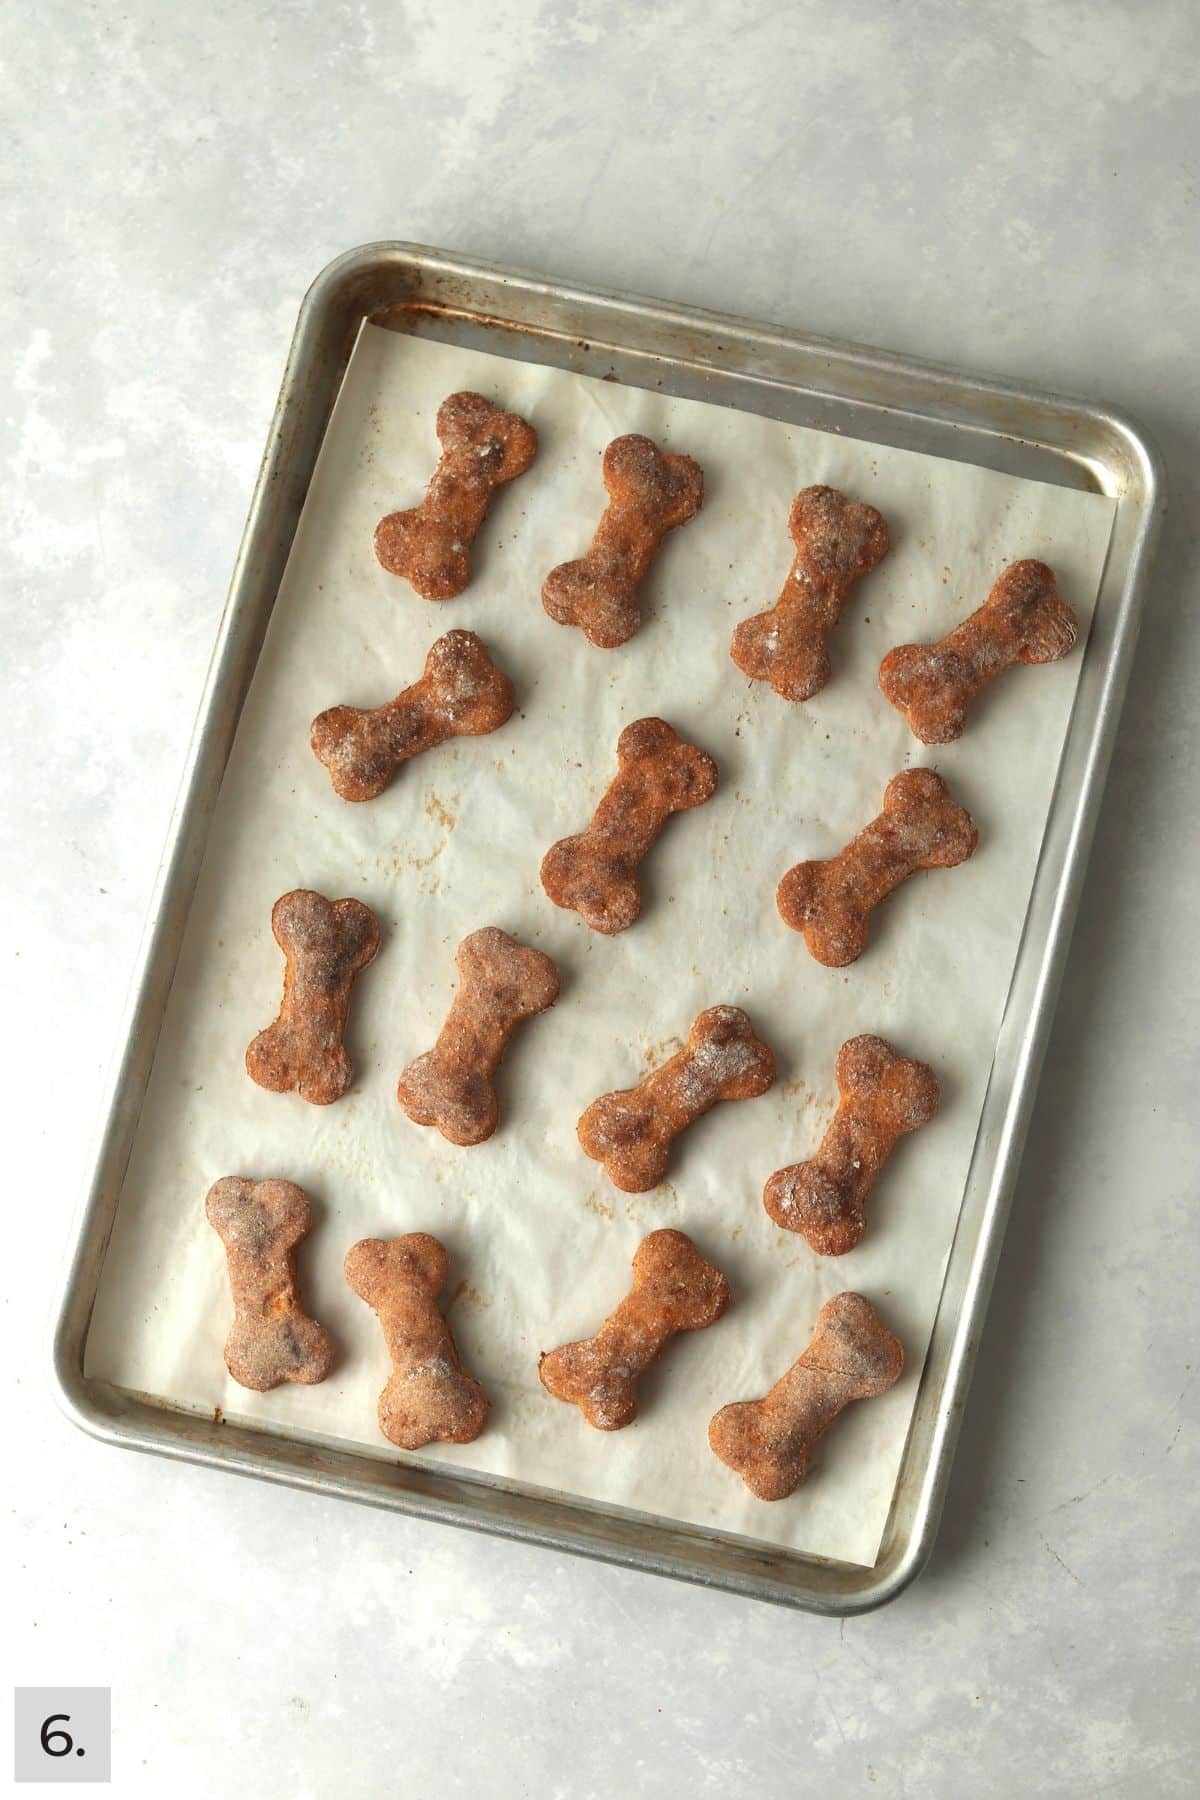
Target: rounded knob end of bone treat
[(931, 686), (738, 1436), (804, 1199), (851, 1339), (834, 926)]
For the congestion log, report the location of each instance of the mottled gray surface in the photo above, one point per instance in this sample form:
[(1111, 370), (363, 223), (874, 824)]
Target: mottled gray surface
[(1012, 186)]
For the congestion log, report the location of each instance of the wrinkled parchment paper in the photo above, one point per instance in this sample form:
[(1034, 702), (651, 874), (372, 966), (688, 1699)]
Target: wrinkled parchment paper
[(540, 1242)]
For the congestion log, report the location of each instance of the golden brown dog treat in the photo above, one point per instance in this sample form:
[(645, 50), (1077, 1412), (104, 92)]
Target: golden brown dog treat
[(836, 540), (429, 1397), (325, 943), (461, 694), (674, 1289), (272, 1339), (920, 827), (595, 873), (768, 1442), (631, 1131), (482, 448), (1023, 620), (501, 982), (883, 1097), (649, 494)]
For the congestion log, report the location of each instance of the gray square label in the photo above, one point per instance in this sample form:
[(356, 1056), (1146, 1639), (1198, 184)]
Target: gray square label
[(62, 1734)]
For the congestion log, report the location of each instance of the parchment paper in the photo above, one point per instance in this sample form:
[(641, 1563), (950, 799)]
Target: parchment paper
[(540, 1242)]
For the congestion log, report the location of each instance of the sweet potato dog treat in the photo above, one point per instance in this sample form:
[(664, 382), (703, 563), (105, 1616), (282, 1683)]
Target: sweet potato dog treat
[(325, 943), (429, 1397), (631, 1131), (649, 493), (461, 694), (501, 982), (595, 873), (273, 1339), (1023, 620), (836, 540), (920, 827), (883, 1097), (482, 448), (852, 1356), (674, 1289)]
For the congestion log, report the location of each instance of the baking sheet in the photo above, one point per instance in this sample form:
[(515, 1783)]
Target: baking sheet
[(540, 1242)]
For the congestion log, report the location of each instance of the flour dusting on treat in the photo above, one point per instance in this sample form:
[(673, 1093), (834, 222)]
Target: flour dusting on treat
[(482, 449), (674, 1289), (595, 873), (884, 1096), (836, 540), (429, 1397), (921, 827), (501, 982), (325, 943), (272, 1339), (631, 1131), (852, 1356), (649, 494), (460, 694), (1023, 620)]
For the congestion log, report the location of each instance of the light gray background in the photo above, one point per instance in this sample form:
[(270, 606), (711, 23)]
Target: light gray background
[(1012, 186)]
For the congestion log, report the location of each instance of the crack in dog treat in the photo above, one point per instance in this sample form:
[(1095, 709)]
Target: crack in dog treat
[(460, 694), (501, 982), (272, 1339), (921, 827), (1023, 620), (836, 540), (325, 943), (852, 1356), (631, 1131), (595, 873), (884, 1096), (674, 1289), (482, 449), (429, 1397), (649, 494)]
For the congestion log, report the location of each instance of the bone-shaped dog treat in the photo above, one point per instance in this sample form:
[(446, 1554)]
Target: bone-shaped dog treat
[(852, 1356), (883, 1097), (920, 827), (325, 944), (272, 1339), (631, 1131), (674, 1289), (461, 694), (429, 1397), (1023, 620), (482, 448), (649, 494), (595, 873), (836, 540), (501, 982)]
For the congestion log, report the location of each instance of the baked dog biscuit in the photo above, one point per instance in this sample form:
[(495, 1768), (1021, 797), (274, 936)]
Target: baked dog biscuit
[(272, 1339), (921, 827), (595, 873), (836, 540), (325, 943), (649, 494), (768, 1442), (674, 1289), (631, 1131), (461, 694), (429, 1397), (1023, 620), (482, 449), (883, 1097), (501, 982)]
